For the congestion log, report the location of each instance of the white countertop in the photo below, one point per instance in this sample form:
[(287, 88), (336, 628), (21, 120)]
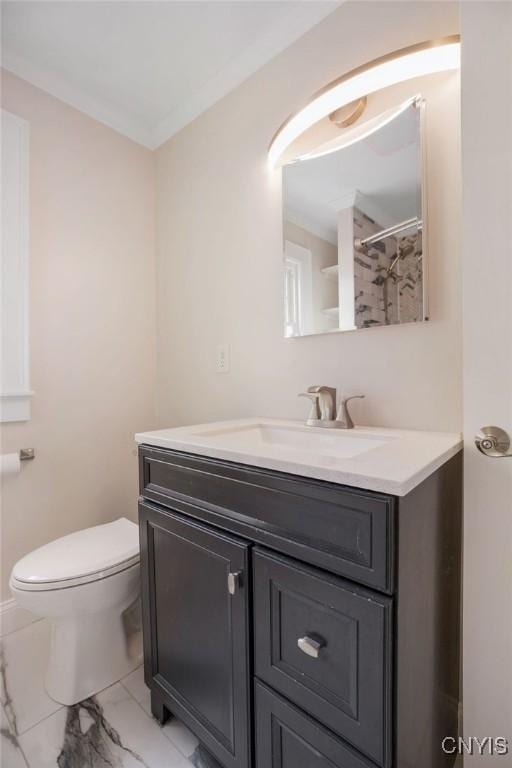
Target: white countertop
[(386, 460)]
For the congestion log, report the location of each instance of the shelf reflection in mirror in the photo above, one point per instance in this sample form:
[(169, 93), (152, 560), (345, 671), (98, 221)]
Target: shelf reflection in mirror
[(354, 232)]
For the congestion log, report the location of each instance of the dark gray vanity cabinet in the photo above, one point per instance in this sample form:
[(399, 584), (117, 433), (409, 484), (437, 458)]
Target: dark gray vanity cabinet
[(294, 623), (196, 617)]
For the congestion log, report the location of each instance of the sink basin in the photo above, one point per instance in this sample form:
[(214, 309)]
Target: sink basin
[(340, 444)]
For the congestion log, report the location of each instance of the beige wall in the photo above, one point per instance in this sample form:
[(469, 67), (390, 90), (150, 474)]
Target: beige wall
[(219, 250), (92, 326), (219, 260)]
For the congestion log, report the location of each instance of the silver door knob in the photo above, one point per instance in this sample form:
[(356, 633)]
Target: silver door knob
[(493, 442)]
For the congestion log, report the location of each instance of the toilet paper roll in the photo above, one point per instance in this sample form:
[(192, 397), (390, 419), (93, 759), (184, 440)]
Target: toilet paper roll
[(10, 464)]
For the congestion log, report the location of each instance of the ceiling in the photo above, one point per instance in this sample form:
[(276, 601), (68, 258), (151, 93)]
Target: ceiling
[(382, 172), (148, 68)]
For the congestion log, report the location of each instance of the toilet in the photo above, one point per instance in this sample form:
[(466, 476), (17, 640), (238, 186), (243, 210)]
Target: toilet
[(83, 583)]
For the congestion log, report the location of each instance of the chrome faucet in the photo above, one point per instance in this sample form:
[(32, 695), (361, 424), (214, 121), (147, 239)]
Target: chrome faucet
[(323, 408), (343, 418)]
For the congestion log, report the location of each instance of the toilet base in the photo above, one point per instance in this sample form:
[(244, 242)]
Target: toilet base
[(88, 654)]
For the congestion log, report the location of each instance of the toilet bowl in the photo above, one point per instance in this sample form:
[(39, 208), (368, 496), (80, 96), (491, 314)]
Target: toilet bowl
[(83, 583)]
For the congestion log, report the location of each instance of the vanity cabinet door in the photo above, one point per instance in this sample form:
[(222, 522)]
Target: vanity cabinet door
[(288, 738), (195, 610)]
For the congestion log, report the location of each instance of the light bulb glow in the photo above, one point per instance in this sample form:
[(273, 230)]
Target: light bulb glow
[(404, 66), (376, 126)]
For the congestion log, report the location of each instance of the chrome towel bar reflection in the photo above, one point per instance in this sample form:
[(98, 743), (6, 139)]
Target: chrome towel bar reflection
[(394, 230)]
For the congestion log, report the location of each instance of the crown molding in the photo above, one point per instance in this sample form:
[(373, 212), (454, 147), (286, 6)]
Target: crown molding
[(348, 200), (290, 28), (292, 25), (312, 225), (370, 207), (61, 89)]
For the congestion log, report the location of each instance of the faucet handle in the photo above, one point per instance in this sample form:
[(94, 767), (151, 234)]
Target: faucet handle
[(314, 414), (343, 416), (320, 388), (327, 401)]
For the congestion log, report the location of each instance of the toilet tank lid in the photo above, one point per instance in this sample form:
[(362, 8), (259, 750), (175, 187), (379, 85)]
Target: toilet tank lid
[(80, 554)]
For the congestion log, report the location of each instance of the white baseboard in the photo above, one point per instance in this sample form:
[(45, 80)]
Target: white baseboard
[(12, 617)]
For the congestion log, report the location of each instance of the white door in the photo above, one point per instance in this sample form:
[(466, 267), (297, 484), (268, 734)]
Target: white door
[(486, 29), (298, 290)]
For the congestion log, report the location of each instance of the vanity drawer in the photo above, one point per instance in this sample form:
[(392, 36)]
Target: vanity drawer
[(346, 531), (288, 738), (344, 681)]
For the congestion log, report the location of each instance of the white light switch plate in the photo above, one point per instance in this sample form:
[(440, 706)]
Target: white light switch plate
[(222, 359)]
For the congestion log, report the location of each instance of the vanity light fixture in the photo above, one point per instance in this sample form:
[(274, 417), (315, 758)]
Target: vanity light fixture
[(340, 117), (405, 64), (372, 127)]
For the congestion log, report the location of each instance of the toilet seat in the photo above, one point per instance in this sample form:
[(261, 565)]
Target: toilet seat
[(79, 558)]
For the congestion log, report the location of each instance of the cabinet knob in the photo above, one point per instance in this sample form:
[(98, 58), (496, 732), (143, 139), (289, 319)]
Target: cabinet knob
[(234, 581), (309, 646)]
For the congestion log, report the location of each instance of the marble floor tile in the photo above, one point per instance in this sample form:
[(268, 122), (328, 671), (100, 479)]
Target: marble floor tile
[(11, 755), (180, 735), (174, 729), (14, 618), (202, 759), (106, 731), (134, 683), (23, 659)]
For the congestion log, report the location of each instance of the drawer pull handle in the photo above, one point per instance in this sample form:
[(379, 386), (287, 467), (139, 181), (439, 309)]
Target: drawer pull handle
[(234, 581), (309, 646)]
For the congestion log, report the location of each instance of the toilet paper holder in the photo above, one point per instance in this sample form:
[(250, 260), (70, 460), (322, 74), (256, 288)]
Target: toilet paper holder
[(27, 454)]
